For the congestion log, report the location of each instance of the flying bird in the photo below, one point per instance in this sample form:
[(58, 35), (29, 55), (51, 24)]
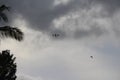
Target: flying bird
[(91, 57), (55, 35)]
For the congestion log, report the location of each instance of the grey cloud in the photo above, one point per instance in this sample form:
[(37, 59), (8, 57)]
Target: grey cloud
[(41, 13), (95, 31), (111, 6), (111, 3)]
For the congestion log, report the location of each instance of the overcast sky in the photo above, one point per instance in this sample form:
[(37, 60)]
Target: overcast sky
[(85, 27)]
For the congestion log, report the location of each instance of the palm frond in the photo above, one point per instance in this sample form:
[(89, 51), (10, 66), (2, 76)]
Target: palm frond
[(4, 17), (2, 14), (12, 32), (4, 7)]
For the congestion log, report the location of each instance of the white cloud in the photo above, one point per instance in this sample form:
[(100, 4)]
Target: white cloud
[(27, 77), (59, 2), (66, 59)]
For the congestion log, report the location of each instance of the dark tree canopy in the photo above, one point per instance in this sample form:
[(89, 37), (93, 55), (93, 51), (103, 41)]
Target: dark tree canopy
[(7, 66)]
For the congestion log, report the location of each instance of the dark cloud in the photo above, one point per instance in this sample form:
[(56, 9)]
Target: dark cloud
[(41, 13), (113, 4)]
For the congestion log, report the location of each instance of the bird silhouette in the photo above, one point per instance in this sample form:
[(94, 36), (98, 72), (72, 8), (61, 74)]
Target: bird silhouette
[(55, 35), (91, 57)]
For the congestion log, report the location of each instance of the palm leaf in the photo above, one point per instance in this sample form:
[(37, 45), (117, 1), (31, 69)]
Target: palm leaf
[(4, 17), (4, 7), (12, 32), (2, 14)]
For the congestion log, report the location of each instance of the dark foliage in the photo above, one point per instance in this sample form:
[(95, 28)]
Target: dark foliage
[(2, 14), (7, 66), (12, 32), (8, 31)]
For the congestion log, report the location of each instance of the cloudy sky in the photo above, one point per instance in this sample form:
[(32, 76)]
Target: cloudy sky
[(85, 27)]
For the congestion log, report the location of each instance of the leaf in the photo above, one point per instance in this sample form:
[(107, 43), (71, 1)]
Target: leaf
[(12, 32), (4, 17), (4, 7)]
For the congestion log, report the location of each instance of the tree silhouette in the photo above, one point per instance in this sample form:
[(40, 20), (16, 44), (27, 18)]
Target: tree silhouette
[(8, 31), (7, 66)]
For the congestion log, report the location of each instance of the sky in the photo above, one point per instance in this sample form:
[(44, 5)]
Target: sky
[(85, 27)]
